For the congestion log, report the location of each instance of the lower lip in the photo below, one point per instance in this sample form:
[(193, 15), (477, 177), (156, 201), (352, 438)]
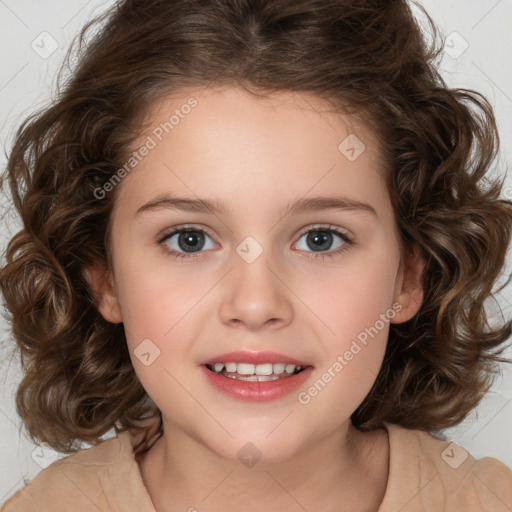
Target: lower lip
[(256, 391)]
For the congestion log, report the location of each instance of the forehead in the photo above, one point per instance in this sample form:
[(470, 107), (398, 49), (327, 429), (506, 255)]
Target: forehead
[(224, 105), (228, 142)]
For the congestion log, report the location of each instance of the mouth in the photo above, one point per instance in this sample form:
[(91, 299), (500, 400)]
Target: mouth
[(256, 376), (249, 372)]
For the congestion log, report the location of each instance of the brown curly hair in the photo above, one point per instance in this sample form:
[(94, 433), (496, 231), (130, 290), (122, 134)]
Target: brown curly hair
[(367, 57)]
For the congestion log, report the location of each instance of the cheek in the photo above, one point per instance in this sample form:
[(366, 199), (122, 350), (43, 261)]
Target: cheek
[(154, 302), (354, 297), (356, 311), (355, 306), (156, 314)]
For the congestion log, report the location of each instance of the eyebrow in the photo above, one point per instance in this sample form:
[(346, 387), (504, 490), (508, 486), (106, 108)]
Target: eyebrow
[(219, 207)]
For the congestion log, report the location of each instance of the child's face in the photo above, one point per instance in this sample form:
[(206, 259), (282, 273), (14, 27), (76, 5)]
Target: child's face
[(252, 280)]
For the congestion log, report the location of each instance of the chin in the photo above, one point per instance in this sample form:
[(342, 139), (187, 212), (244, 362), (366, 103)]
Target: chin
[(259, 448)]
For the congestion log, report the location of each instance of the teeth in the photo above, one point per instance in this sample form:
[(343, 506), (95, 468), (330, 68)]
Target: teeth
[(245, 369), (265, 378), (264, 369), (260, 370), (289, 368), (231, 367), (279, 368), (255, 378)]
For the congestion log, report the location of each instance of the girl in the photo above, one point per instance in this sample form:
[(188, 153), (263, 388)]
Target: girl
[(257, 242)]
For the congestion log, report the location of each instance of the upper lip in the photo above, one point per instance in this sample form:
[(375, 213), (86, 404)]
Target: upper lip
[(244, 356)]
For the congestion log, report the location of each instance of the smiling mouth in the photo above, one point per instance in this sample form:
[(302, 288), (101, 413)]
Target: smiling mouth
[(255, 372)]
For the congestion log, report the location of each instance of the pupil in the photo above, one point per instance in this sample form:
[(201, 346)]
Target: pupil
[(189, 241), (192, 238), (320, 240)]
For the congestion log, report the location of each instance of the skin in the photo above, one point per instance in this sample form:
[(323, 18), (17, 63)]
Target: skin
[(257, 155)]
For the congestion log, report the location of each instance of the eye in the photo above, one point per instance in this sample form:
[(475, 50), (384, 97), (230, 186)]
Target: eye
[(185, 241), (324, 238)]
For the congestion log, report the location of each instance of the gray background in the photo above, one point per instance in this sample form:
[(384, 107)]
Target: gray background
[(477, 56)]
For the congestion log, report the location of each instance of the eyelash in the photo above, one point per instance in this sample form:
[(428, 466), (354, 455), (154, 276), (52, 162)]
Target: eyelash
[(348, 242)]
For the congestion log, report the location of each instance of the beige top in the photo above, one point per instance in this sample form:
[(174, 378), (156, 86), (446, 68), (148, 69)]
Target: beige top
[(425, 475)]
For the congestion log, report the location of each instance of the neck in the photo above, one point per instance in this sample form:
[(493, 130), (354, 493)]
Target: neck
[(348, 467)]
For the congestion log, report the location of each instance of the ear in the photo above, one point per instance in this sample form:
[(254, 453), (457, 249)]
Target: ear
[(409, 291), (102, 287)]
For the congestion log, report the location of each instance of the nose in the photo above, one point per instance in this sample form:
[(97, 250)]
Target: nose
[(255, 296)]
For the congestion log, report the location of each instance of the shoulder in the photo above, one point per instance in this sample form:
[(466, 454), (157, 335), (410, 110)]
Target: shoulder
[(104, 477), (431, 474)]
